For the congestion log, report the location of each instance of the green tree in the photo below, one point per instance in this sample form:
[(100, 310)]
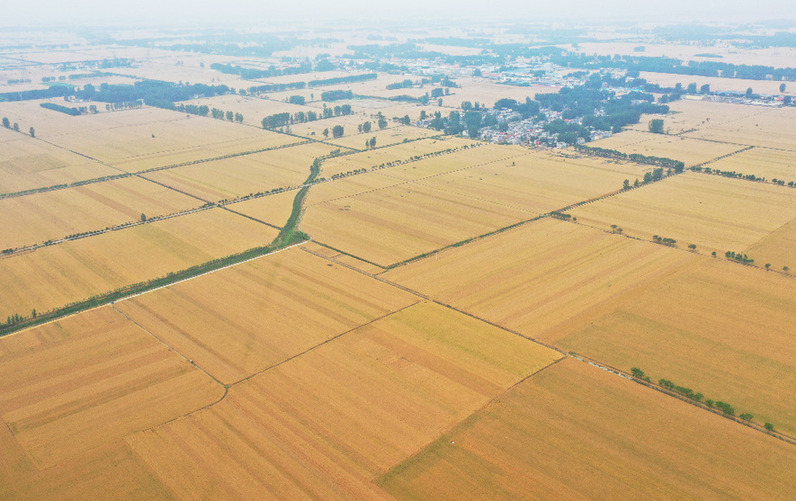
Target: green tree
[(337, 131), (705, 89), (143, 217), (32, 132), (692, 246), (230, 115), (325, 132), (637, 373), (373, 142), (16, 126), (626, 184), (769, 426), (382, 122), (366, 127), (749, 92), (746, 416), (656, 126), (781, 88), (239, 117), (6, 123)]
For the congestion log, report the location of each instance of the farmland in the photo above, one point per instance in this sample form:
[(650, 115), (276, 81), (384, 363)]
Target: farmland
[(574, 431), (389, 388), (416, 260)]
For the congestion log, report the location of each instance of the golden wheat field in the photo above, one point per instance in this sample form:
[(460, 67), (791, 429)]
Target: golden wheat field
[(328, 422), (685, 149), (689, 114), (34, 219), (761, 162), (770, 129), (576, 432), (247, 319), (712, 212), (54, 276)]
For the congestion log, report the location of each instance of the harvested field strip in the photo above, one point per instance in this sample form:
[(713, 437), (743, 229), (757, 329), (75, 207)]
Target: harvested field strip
[(574, 431), (326, 423)]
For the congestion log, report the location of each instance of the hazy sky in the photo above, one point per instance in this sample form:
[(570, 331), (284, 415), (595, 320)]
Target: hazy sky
[(264, 12)]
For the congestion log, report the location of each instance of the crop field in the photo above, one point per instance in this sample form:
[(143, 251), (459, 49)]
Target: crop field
[(778, 248), (772, 129), (350, 124), (324, 424), (487, 93), (242, 175), (761, 162), (719, 84), (688, 115), (385, 137), (246, 319), (26, 163), (80, 383), (533, 277), (689, 150), (53, 276), (135, 140), (40, 217), (718, 328), (273, 209), (573, 431), (253, 109), (712, 212)]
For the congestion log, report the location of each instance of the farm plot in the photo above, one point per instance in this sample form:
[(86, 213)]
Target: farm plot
[(574, 431), (538, 182), (719, 328), (719, 84), (685, 149), (253, 109), (51, 215), (57, 275), (240, 176), (762, 162), (778, 248), (488, 92), (533, 277), (772, 129), (254, 316), (688, 115), (349, 123), (273, 209), (135, 140), (26, 163), (399, 222), (385, 137), (401, 152), (86, 381), (712, 212), (324, 424)]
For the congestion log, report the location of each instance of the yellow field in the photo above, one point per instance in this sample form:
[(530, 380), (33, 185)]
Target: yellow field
[(713, 212), (401, 152), (135, 140), (33, 219), (27, 163), (54, 276), (687, 114), (450, 198), (762, 162), (533, 277), (274, 209), (246, 319), (719, 328), (778, 248), (84, 382), (719, 84), (350, 125), (240, 176), (685, 149), (771, 129), (487, 92), (576, 432), (253, 109), (326, 423), (385, 137)]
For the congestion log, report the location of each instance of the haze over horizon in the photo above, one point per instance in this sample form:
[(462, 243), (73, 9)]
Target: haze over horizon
[(36, 13)]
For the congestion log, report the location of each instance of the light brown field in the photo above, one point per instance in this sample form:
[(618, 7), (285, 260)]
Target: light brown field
[(253, 109), (86, 381), (326, 423), (772, 129), (576, 432), (54, 276), (762, 162), (778, 248), (488, 92), (720, 84), (688, 114), (385, 137), (46, 216), (125, 139), (719, 328), (401, 152), (713, 212), (533, 277), (685, 149), (27, 163), (273, 209), (242, 175), (252, 317), (451, 198), (350, 125)]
